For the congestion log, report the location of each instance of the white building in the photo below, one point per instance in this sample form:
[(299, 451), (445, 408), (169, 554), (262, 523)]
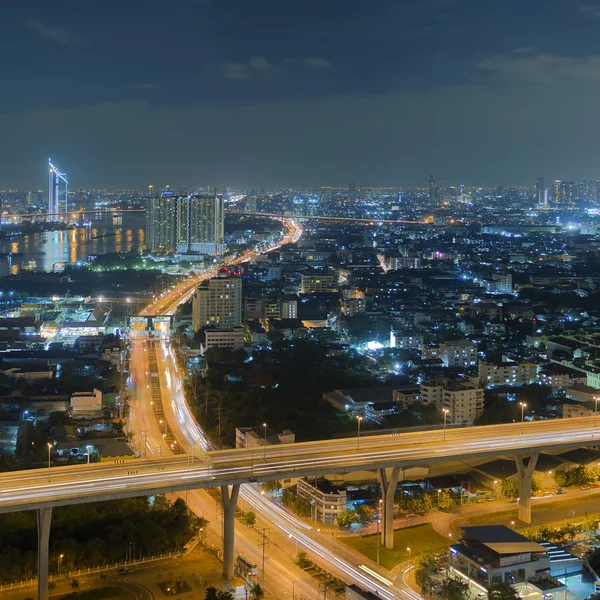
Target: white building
[(461, 353), (406, 340), (493, 374), (326, 501), (229, 339), (83, 403), (462, 399)]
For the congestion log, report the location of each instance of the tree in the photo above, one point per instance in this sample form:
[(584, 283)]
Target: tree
[(346, 518), (454, 588), (257, 592), (301, 559), (446, 500), (74, 584), (364, 514), (570, 530), (249, 519), (502, 591), (510, 488), (536, 486), (213, 593), (271, 486), (424, 571)]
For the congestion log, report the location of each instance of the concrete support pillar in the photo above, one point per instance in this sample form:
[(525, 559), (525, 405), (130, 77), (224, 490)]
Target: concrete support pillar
[(44, 517), (229, 500), (525, 471), (388, 480)]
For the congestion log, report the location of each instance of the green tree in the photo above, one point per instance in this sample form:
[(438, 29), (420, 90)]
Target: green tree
[(301, 559), (74, 584), (570, 530), (257, 592), (271, 486), (454, 588), (510, 488), (346, 518), (213, 593), (249, 519), (364, 514), (502, 591), (536, 485), (424, 571), (446, 500)]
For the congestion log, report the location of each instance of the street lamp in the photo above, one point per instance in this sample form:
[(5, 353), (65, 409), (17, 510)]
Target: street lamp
[(523, 406), (512, 523), (445, 411), (409, 553), (358, 420), (439, 492), (495, 482), (49, 449), (60, 557), (265, 446)]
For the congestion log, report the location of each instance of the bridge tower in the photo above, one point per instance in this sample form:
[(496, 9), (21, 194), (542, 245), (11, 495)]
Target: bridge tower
[(44, 518), (58, 194), (525, 471)]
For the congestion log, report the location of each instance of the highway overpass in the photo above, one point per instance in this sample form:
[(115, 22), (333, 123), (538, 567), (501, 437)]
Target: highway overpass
[(43, 489)]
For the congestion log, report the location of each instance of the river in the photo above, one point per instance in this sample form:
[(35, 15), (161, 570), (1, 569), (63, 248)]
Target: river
[(106, 234)]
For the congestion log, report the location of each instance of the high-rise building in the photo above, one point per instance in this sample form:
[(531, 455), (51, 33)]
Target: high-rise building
[(540, 188), (352, 192), (565, 193), (200, 222), (217, 303), (161, 222), (432, 189)]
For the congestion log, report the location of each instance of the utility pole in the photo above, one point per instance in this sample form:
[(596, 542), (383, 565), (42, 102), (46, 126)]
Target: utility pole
[(264, 542), (219, 415)]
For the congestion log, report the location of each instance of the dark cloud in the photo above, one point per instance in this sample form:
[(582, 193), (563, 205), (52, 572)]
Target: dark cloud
[(56, 34), (282, 91)]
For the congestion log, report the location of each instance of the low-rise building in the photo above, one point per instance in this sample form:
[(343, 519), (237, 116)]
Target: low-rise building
[(460, 353), (406, 340), (460, 399), (86, 403), (492, 554), (507, 373), (229, 339), (319, 283), (326, 501)]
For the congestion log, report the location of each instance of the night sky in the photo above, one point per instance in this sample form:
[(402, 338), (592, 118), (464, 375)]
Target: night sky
[(299, 92)]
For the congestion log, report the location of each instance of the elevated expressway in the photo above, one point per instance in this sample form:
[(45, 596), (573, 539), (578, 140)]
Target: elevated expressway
[(43, 489)]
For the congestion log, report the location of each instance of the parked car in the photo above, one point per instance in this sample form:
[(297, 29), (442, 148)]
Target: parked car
[(560, 491)]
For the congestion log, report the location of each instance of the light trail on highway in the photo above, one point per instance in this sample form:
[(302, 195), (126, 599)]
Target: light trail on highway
[(195, 437)]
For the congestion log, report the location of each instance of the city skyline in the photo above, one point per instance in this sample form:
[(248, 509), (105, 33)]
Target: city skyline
[(382, 93)]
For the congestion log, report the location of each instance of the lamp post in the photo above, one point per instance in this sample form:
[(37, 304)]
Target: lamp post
[(445, 411), (358, 420), (439, 492), (265, 446), (409, 553), (49, 449), (60, 557), (523, 406), (495, 482), (378, 542)]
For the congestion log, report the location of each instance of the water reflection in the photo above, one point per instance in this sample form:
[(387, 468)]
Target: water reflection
[(109, 234)]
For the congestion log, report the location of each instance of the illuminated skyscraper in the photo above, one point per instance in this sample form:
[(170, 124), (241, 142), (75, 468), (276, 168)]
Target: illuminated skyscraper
[(161, 222), (200, 224), (58, 194)]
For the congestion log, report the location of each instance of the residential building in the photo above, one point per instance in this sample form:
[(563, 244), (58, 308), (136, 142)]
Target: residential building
[(406, 340), (326, 501), (319, 283), (461, 353), (228, 339), (161, 222), (352, 306), (507, 373), (461, 398), (217, 302), (557, 376), (200, 224)]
